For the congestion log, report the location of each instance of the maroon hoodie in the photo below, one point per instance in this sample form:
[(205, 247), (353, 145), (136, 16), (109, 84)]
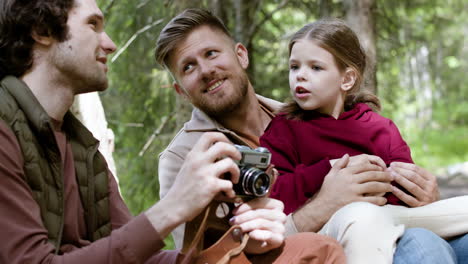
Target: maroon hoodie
[(302, 149)]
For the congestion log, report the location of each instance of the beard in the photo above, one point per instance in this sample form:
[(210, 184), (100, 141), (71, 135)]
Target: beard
[(83, 75), (223, 104)]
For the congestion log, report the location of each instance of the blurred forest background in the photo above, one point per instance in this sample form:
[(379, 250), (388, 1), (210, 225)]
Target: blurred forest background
[(417, 49)]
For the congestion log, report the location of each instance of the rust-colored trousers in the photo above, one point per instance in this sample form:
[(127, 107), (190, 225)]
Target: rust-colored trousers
[(304, 248), (301, 248)]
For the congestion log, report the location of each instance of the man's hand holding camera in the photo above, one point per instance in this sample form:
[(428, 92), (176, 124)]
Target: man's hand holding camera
[(262, 218), (198, 181), (203, 176)]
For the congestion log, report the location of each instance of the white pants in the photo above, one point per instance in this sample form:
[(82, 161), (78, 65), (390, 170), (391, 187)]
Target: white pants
[(368, 233)]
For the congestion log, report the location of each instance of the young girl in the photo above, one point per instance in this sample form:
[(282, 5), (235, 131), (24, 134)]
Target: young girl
[(329, 117)]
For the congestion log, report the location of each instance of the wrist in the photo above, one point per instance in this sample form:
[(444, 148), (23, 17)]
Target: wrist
[(165, 217), (312, 216), (290, 226)]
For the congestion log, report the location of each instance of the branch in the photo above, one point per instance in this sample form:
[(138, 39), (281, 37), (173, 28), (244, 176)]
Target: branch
[(142, 30), (125, 124), (108, 7), (154, 135), (255, 27), (274, 23), (142, 3)]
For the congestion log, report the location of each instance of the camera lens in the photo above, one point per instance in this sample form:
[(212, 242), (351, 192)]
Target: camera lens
[(252, 181)]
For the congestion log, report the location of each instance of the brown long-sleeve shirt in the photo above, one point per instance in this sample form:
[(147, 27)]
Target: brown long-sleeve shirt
[(24, 238)]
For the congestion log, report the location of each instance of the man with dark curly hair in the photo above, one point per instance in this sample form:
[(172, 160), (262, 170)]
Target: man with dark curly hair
[(58, 201), (47, 18)]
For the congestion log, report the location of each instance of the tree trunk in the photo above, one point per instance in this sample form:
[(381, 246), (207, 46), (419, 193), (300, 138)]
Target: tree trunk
[(244, 25), (88, 109), (324, 8), (220, 10), (360, 16)]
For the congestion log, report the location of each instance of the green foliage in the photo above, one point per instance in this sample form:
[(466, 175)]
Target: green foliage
[(137, 100), (441, 147), (271, 51), (421, 66)]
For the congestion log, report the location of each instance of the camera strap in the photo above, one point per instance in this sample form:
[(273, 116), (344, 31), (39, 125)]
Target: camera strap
[(198, 239)]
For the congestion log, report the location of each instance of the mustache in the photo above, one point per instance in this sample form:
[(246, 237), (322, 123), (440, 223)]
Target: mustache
[(215, 76)]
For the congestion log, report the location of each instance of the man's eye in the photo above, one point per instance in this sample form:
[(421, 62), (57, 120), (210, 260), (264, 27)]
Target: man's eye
[(94, 23), (187, 67), (211, 53)]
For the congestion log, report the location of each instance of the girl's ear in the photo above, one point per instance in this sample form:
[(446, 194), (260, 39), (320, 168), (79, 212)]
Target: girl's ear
[(349, 79)]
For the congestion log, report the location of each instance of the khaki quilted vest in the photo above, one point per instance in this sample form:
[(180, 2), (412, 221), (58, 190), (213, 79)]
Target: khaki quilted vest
[(21, 111)]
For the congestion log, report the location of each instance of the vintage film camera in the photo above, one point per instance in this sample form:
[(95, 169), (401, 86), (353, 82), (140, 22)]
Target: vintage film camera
[(214, 220), (253, 180)]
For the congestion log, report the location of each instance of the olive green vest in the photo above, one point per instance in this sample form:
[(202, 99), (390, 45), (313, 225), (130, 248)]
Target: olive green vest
[(43, 168)]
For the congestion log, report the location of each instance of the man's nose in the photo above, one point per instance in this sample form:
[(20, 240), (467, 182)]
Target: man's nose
[(207, 69), (107, 44)]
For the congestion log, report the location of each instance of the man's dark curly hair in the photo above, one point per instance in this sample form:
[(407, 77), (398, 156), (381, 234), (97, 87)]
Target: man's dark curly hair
[(18, 20)]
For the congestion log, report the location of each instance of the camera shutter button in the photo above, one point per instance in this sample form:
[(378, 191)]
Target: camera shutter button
[(262, 150)]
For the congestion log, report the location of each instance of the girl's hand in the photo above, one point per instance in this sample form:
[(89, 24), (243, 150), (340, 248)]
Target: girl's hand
[(263, 219)]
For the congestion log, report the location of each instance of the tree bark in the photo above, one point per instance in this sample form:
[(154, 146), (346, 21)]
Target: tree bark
[(244, 22), (324, 8), (89, 110), (360, 16), (220, 10)]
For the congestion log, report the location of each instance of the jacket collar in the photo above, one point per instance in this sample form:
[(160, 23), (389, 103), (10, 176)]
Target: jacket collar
[(38, 117), (28, 103)]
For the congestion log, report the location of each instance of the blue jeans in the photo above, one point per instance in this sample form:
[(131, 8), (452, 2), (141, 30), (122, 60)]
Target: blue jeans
[(419, 245), (460, 246)]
